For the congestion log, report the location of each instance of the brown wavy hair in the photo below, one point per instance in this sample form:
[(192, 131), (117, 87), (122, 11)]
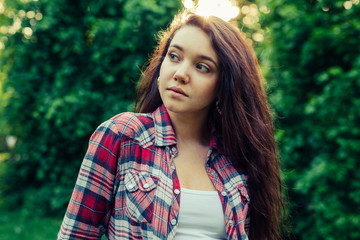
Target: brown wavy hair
[(245, 123)]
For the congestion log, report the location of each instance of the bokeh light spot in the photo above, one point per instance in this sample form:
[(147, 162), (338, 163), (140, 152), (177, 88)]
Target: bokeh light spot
[(22, 13), (253, 10), (3, 29), (245, 9), (32, 22), (30, 14), (38, 16), (27, 32), (258, 37), (264, 9), (347, 5)]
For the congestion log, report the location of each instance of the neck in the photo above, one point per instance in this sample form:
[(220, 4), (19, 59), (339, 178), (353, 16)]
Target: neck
[(190, 128)]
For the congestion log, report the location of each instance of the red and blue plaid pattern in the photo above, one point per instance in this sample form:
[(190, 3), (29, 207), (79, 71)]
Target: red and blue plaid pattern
[(127, 181)]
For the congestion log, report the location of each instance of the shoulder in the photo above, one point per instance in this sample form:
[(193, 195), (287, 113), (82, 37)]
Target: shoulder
[(129, 125)]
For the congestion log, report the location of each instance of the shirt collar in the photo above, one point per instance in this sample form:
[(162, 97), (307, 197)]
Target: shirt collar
[(165, 134)]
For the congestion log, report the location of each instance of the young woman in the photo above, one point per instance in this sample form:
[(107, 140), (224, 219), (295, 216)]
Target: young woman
[(198, 158)]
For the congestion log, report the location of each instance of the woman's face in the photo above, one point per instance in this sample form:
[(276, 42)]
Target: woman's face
[(189, 72)]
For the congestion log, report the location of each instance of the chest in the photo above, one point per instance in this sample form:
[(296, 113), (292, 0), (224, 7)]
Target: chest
[(201, 215), (148, 189), (169, 166), (191, 168)]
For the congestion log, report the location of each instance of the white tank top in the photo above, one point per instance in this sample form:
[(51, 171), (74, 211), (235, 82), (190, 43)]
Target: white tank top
[(201, 216)]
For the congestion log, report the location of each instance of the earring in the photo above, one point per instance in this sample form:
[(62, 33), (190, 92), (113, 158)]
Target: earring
[(217, 107), (158, 80)]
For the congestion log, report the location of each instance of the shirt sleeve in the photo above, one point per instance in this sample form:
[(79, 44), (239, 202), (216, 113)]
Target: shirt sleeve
[(90, 205)]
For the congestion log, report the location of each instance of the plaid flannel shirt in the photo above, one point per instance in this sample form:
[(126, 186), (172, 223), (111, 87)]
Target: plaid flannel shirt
[(127, 187)]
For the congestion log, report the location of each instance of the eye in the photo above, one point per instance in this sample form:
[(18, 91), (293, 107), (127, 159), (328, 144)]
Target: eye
[(173, 57), (202, 68)]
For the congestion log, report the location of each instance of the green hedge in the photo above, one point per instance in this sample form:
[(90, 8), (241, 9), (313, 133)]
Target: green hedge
[(312, 63), (77, 69)]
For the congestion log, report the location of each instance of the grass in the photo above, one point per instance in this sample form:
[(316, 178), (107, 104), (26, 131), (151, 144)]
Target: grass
[(14, 225)]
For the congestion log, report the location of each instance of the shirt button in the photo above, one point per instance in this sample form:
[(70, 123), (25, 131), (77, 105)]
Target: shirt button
[(146, 185), (173, 149), (173, 167), (212, 172), (176, 191), (231, 223), (131, 186), (223, 193), (173, 222)]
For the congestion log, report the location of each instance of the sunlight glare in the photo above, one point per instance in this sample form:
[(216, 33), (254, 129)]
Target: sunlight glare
[(188, 4), (223, 9)]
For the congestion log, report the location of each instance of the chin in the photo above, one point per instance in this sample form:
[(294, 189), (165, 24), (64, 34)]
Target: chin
[(176, 108)]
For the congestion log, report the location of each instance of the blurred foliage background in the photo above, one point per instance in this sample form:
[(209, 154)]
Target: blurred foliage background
[(312, 64), (66, 66)]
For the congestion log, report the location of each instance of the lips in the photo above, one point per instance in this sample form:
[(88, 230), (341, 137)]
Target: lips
[(178, 90)]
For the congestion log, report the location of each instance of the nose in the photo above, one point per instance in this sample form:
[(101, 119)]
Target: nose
[(182, 74)]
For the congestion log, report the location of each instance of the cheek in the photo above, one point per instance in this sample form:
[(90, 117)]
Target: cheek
[(165, 68), (207, 92), (211, 88)]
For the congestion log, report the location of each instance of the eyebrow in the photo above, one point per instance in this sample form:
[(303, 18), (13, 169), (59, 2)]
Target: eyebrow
[(201, 56)]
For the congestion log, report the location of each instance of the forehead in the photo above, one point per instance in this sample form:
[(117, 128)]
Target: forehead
[(194, 40)]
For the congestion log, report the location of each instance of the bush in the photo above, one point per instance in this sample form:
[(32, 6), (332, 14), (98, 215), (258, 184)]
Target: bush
[(313, 70), (69, 66)]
